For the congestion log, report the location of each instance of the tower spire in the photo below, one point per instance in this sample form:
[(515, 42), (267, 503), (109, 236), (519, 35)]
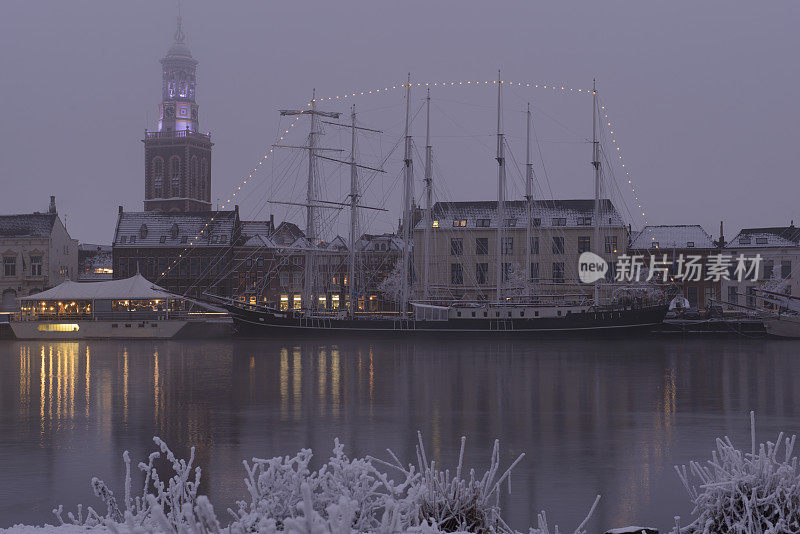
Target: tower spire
[(179, 35)]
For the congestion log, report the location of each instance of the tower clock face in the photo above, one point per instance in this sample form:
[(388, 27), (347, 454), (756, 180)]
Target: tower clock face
[(169, 112)]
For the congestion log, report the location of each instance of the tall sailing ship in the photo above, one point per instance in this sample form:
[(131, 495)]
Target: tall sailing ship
[(509, 313)]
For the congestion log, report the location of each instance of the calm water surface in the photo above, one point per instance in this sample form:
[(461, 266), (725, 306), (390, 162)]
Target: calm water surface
[(593, 417)]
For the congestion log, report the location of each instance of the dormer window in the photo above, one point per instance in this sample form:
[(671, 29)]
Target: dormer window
[(173, 232), (162, 239), (761, 240), (459, 223), (654, 244), (510, 223), (436, 223), (745, 240), (482, 223), (690, 244), (559, 221), (123, 239), (537, 221), (143, 231)]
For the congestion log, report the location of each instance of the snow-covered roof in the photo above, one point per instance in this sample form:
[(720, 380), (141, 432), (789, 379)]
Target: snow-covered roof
[(27, 225), (253, 228), (483, 214), (379, 243), (135, 287), (777, 236), (167, 229), (672, 236)]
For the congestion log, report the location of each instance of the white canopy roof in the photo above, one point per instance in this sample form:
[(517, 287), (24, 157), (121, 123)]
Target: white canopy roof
[(135, 287)]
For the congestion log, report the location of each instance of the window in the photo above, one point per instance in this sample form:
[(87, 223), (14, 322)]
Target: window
[(654, 244), (132, 239), (284, 279), (482, 273), (558, 245), (610, 245), (436, 223), (537, 221), (510, 223), (786, 269), (173, 231), (162, 265), (260, 262), (123, 239), (733, 295), (534, 245), (584, 244), (175, 176), (558, 272), (769, 268), (481, 246), (158, 176), (744, 240), (534, 272), (10, 266), (506, 270), (184, 239), (36, 266), (163, 239), (559, 221), (297, 260), (459, 223), (690, 244), (482, 223), (456, 246), (456, 274), (761, 240), (297, 278), (584, 221), (507, 245)]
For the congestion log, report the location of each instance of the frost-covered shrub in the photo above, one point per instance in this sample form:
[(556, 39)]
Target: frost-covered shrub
[(343, 497), (745, 493)]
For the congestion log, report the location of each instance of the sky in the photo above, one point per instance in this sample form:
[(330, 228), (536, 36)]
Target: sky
[(702, 97)]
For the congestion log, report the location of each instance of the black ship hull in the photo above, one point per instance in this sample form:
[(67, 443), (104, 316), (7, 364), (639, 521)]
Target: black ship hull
[(601, 323)]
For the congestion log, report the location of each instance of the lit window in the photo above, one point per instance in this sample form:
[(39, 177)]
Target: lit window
[(63, 327), (436, 223)]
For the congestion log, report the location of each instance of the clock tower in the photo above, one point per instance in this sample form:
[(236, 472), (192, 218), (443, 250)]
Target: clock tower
[(177, 156)]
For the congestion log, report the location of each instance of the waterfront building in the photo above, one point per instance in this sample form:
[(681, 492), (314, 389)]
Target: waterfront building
[(37, 253), (463, 248), (779, 248), (188, 253), (664, 245)]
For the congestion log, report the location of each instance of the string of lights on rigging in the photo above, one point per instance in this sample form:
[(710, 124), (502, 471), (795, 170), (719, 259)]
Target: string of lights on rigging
[(564, 89)]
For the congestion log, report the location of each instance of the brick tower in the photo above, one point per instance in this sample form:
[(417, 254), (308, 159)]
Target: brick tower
[(177, 156)]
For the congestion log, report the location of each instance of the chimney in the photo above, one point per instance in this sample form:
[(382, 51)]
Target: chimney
[(271, 222), (120, 209), (721, 243), (52, 208), (236, 209)]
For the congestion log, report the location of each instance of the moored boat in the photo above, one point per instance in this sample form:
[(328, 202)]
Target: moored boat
[(131, 308)]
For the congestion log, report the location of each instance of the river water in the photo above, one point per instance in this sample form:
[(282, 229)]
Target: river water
[(609, 418)]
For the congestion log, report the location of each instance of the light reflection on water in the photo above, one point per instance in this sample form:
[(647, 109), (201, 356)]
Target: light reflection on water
[(609, 418)]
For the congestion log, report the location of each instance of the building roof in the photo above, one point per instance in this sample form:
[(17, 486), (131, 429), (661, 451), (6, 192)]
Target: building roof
[(135, 287), (27, 225), (175, 229), (672, 236), (287, 233), (544, 210), (775, 236), (252, 228)]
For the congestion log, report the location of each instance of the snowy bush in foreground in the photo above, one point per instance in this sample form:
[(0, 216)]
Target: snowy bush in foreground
[(343, 497), (755, 493)]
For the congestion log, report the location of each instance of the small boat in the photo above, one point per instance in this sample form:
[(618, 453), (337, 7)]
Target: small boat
[(131, 308), (785, 326)]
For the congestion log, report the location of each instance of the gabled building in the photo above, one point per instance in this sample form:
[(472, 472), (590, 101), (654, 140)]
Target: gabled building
[(463, 249), (655, 243), (188, 253), (37, 253), (779, 249)]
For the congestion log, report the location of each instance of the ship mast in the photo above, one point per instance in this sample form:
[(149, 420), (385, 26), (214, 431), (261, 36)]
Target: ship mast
[(311, 233), (501, 190), (528, 198), (428, 197), (408, 200), (351, 282), (596, 165)]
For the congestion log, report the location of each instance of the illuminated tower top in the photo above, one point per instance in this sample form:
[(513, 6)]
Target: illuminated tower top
[(178, 110)]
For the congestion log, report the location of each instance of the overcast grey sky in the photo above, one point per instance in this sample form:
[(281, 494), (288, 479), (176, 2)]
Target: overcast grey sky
[(703, 95)]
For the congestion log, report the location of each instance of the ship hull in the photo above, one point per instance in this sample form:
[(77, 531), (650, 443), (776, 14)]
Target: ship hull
[(616, 323)]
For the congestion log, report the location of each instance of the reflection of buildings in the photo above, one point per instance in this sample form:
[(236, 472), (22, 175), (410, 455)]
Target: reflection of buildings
[(592, 421)]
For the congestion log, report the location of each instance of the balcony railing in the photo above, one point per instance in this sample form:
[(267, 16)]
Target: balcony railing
[(172, 134)]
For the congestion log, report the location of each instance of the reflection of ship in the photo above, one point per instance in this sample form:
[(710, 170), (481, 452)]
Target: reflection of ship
[(128, 308), (506, 314)]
